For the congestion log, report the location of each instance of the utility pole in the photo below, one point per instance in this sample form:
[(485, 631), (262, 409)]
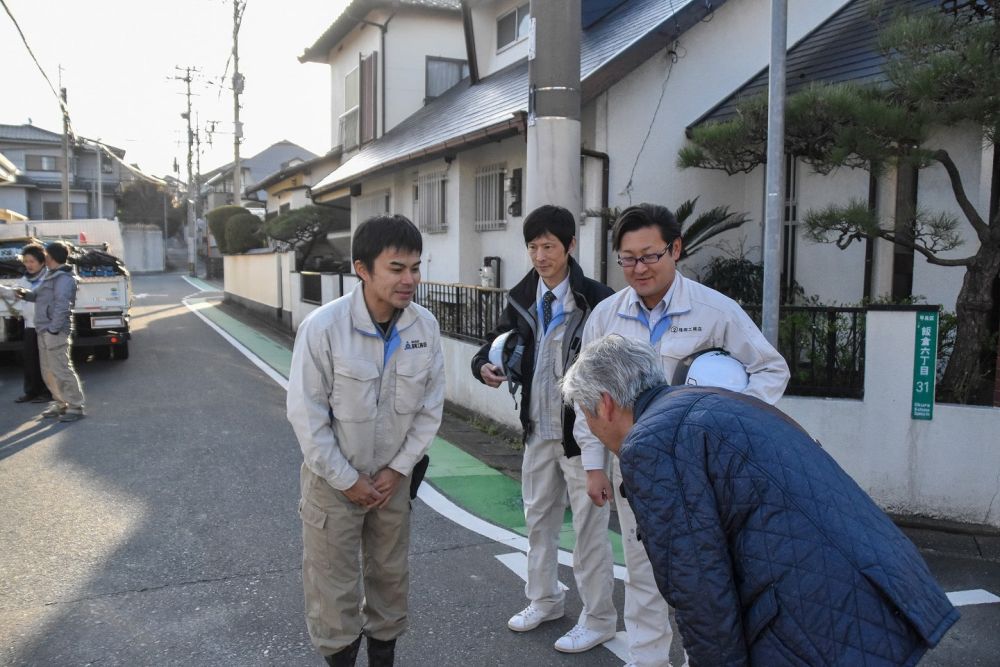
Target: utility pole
[(553, 161), (192, 195), (100, 190), (774, 211), (66, 213), (237, 90)]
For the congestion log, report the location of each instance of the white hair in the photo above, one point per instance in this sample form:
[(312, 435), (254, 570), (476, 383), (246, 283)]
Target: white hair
[(614, 365)]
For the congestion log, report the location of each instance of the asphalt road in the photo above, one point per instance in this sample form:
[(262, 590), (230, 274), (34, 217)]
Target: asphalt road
[(162, 528)]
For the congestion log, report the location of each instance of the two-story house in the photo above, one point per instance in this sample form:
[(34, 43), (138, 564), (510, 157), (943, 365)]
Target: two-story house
[(95, 179), (387, 60)]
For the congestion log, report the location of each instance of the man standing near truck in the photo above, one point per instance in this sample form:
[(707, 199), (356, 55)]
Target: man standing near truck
[(54, 299)]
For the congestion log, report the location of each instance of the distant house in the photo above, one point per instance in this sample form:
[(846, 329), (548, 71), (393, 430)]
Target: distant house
[(36, 191), (217, 184)]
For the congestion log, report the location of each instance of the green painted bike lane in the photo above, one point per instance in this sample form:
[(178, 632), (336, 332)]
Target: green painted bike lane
[(461, 477)]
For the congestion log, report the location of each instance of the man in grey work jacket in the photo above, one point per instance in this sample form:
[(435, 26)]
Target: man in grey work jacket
[(677, 317), (365, 396), (54, 299), (547, 311)]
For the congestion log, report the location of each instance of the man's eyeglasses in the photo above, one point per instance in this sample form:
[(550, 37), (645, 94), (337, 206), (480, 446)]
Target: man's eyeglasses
[(652, 258)]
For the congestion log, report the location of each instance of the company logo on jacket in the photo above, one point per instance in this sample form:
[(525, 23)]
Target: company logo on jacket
[(414, 344)]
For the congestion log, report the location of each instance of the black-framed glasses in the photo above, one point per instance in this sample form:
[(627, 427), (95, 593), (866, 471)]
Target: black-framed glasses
[(652, 258)]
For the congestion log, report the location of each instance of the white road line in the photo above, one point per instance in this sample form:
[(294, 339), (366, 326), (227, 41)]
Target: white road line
[(193, 304), (976, 596)]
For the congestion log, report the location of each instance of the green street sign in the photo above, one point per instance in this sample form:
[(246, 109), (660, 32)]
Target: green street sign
[(924, 365)]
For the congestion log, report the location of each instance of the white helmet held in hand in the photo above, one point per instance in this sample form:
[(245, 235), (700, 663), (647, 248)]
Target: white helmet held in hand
[(505, 353), (715, 368)]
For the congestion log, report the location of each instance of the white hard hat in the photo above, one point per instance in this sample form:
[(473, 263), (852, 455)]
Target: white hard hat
[(716, 368), (497, 356)]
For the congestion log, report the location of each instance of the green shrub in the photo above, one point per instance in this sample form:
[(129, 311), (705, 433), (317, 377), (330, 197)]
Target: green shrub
[(242, 233), (217, 218)]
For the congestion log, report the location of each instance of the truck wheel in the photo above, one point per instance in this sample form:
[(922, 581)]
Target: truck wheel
[(121, 351)]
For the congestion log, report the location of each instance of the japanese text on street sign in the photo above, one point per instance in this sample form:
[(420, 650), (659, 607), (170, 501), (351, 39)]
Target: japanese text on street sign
[(924, 365)]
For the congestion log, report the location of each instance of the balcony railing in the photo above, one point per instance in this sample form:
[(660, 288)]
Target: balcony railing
[(465, 312)]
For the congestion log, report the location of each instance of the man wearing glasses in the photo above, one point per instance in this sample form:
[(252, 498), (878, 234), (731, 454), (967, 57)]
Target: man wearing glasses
[(677, 317)]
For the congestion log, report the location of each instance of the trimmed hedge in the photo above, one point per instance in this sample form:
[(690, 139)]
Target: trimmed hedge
[(217, 218)]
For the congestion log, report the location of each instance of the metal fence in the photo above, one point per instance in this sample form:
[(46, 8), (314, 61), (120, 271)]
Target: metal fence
[(824, 347), (465, 312), (311, 287)]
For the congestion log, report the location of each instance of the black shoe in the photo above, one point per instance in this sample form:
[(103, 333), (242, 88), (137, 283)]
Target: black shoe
[(345, 657), (24, 398), (381, 653)]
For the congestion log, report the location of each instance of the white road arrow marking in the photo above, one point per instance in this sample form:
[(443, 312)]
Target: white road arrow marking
[(977, 596)]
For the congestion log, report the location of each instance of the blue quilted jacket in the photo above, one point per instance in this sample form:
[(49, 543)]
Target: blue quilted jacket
[(768, 551)]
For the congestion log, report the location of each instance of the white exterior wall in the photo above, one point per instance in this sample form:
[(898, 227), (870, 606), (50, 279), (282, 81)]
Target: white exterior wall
[(816, 263), (143, 249), (943, 468), (254, 278), (484, 25), (716, 57), (411, 38)]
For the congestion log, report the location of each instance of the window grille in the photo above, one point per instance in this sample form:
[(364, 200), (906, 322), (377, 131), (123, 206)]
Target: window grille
[(350, 119), (372, 205), (490, 213), (429, 202)]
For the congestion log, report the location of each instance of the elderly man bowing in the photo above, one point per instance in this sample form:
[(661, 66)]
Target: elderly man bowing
[(770, 554)]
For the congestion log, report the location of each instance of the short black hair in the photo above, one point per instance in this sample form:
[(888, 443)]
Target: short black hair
[(57, 250), (549, 219), (34, 250), (645, 215), (381, 232)]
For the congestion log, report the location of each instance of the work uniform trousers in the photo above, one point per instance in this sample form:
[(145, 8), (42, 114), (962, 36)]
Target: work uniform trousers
[(34, 384), (646, 612), (54, 356), (546, 477), (335, 533)]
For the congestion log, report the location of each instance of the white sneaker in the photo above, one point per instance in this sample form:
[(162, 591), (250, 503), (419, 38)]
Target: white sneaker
[(531, 617), (581, 638)]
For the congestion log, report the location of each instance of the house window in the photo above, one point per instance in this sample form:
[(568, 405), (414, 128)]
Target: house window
[(284, 208), (789, 230), (368, 97), (490, 209), (42, 163), (512, 26), (52, 210), (442, 74), (373, 205), (349, 119), (429, 202)]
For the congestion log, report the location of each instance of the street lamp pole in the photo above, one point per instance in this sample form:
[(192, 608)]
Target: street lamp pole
[(775, 205)]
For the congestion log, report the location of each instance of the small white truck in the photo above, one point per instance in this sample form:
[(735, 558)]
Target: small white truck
[(103, 301)]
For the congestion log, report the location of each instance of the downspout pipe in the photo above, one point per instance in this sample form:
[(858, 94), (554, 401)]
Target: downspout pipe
[(602, 252)]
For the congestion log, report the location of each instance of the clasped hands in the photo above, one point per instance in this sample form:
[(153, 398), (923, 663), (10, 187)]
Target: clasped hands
[(374, 492)]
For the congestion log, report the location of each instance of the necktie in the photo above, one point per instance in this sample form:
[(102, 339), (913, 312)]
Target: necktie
[(547, 300)]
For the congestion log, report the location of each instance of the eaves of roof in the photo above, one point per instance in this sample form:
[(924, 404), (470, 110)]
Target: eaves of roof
[(355, 13), (842, 49), (496, 106)]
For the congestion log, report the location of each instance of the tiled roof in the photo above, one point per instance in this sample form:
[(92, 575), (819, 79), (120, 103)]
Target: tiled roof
[(844, 48), (356, 10), (28, 133), (468, 114)]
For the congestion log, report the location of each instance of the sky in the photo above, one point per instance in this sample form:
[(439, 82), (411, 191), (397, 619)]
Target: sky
[(118, 60)]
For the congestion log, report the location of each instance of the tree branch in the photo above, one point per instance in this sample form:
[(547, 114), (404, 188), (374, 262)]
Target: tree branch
[(978, 224), (929, 255)]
